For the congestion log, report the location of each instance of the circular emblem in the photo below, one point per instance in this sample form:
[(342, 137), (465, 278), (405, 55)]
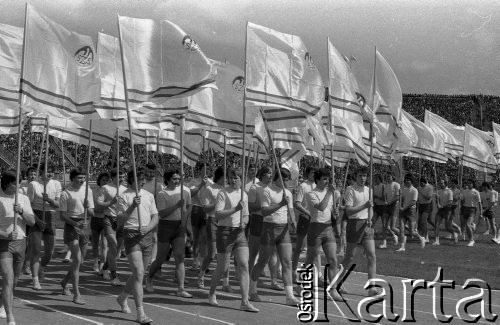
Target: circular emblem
[(309, 60), (361, 99), (84, 56), (239, 84), (190, 44), (490, 143)]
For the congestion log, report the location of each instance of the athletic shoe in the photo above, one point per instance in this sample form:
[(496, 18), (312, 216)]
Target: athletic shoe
[(435, 243), (149, 285), (36, 285), (292, 301), (254, 297), (455, 237), (66, 260), (65, 289), (396, 239), (470, 243), (374, 292), (449, 236), (227, 289), (401, 249), (124, 308), (427, 239), (212, 301), (106, 275), (495, 240), (27, 269), (144, 320), (422, 242), (116, 282), (184, 294), (200, 283), (3, 314), (79, 301), (276, 286), (383, 245), (249, 308), (95, 267)]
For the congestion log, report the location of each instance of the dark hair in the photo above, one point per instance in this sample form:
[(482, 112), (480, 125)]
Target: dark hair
[(218, 174), (487, 185), (168, 175), (141, 173), (285, 173), (409, 178), (251, 165), (151, 166), (308, 170), (470, 180), (100, 177), (444, 181), (377, 177), (320, 173), (75, 172), (30, 170), (361, 170), (423, 180), (263, 170), (233, 173), (8, 177)]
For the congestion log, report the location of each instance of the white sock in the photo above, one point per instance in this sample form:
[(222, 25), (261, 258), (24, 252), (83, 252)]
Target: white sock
[(225, 282), (140, 311), (289, 291), (35, 279), (253, 286)]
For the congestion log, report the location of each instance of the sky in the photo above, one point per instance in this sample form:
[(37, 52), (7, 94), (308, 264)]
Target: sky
[(440, 47)]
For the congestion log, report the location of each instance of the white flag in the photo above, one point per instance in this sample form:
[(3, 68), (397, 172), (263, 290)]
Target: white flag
[(9, 121), (60, 71), (496, 137), (479, 150), (11, 53), (453, 135)]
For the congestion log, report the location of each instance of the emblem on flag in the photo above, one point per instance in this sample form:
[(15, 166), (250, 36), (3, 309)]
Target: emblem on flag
[(490, 143), (190, 44), (239, 84), (84, 56), (309, 60)]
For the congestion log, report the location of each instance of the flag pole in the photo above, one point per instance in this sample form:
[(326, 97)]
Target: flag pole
[(347, 170), (42, 144), (117, 161), (63, 163), (46, 160), (87, 172), (243, 180), (204, 155), (181, 136), (225, 159), (278, 166), (132, 153), (370, 211), (31, 142), (330, 109), (248, 164), (146, 146), (157, 161)]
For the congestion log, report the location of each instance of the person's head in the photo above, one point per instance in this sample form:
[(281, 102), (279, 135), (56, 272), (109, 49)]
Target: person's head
[(31, 174), (322, 178), (150, 171), (219, 176), (285, 175), (377, 178), (361, 175), (113, 173), (234, 178), (390, 178), (141, 177), (252, 170), (102, 179), (8, 182), (77, 176), (442, 183), (470, 184), (408, 180), (265, 174), (310, 173), (172, 178), (485, 186), (50, 171), (423, 181)]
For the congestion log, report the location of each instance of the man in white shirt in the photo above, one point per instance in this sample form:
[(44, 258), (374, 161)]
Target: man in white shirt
[(231, 211), (425, 195), (277, 209), (12, 240), (471, 209), (408, 213), (359, 230), (173, 210), (251, 177), (444, 205), (72, 209), (138, 239), (44, 196)]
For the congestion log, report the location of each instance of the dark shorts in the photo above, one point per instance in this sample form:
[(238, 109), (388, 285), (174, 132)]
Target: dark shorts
[(49, 223), (488, 214), (97, 224), (409, 214), (444, 213), (111, 227), (198, 217), (229, 238), (255, 225), (379, 210), (168, 230), (274, 234), (14, 249), (302, 225), (468, 212), (72, 233), (357, 231), (320, 234), (211, 230), (390, 209), (134, 241), (424, 208)]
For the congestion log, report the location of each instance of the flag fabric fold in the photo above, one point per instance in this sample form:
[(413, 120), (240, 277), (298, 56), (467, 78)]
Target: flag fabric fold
[(453, 135), (496, 137), (11, 53), (479, 150)]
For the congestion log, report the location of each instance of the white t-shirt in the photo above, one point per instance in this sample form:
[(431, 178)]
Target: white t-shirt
[(445, 195), (392, 191), (471, 198), (150, 186), (255, 195), (108, 192), (250, 182), (7, 213), (98, 213), (316, 197), (208, 196), (147, 208), (356, 196), (168, 198), (304, 188), (409, 194), (35, 194), (72, 201), (227, 200), (428, 190), (273, 195)]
